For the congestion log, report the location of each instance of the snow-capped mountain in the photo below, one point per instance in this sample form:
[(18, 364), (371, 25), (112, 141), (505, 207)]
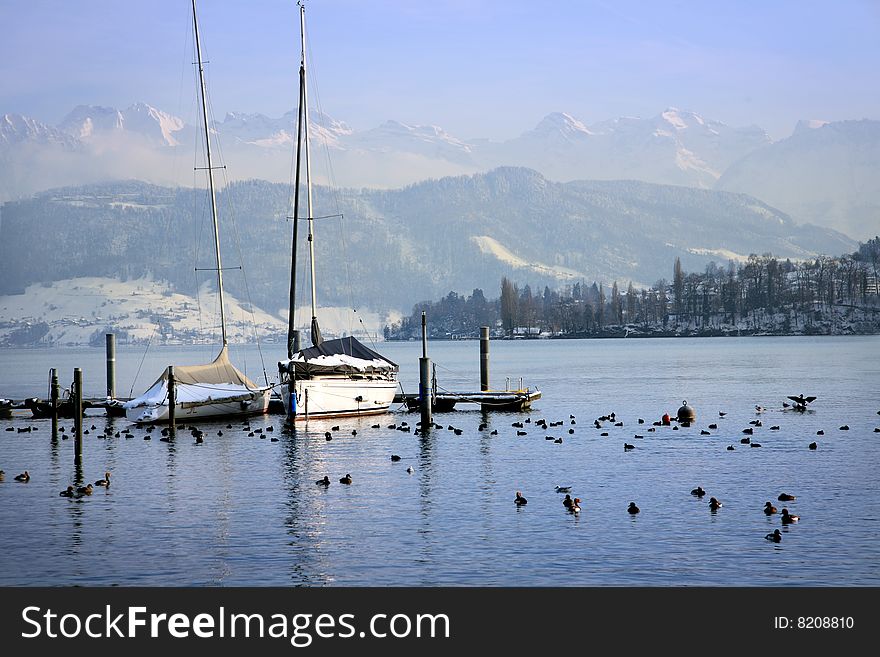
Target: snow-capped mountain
[(16, 129), (94, 122), (824, 173), (676, 146)]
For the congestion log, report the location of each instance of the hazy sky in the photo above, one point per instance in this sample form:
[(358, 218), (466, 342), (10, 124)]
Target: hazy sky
[(478, 68)]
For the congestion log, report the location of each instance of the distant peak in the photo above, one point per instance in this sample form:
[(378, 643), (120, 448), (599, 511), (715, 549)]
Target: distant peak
[(561, 122), (805, 125)]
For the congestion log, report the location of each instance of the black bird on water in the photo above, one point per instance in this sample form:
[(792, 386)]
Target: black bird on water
[(769, 509), (800, 402), (632, 508), (775, 536), (520, 500), (698, 491), (323, 482), (346, 479)]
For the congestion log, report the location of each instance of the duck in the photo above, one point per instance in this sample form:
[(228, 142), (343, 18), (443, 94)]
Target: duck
[(395, 457), (722, 413), (820, 432), (563, 489), (698, 491), (567, 502), (785, 497), (67, 492), (2, 475), (346, 479), (703, 432), (575, 505), (105, 482), (813, 446), (323, 482), (713, 426), (627, 447), (409, 470), (787, 518), (775, 536), (769, 509), (520, 500), (85, 490), (714, 504), (23, 477), (730, 448), (632, 508)]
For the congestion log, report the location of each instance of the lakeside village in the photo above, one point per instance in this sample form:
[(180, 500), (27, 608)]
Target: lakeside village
[(762, 296)]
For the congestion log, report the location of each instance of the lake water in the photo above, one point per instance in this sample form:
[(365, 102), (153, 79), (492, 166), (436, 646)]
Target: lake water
[(245, 511)]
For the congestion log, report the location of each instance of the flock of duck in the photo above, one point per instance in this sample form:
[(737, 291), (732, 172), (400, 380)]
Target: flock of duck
[(570, 504)]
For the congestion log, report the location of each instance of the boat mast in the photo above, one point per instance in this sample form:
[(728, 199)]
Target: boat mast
[(291, 316), (316, 333), (210, 175)]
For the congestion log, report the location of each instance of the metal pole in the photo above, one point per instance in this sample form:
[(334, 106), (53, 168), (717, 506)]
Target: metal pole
[(77, 413), (172, 403), (53, 393), (425, 380), (484, 358), (111, 365)]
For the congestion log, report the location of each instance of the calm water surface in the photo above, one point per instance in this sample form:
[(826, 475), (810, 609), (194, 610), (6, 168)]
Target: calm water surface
[(246, 511)]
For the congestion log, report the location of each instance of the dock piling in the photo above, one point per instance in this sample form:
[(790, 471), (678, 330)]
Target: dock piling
[(53, 394), (77, 413), (111, 365), (172, 402), (425, 380), (484, 358)]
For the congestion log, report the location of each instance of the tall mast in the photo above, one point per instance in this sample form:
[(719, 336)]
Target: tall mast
[(291, 316), (316, 334), (210, 175)]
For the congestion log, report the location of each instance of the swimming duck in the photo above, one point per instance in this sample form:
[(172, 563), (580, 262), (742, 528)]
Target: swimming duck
[(714, 504), (627, 447), (395, 457), (346, 479), (2, 475), (813, 446), (84, 490), (698, 491), (632, 508), (24, 477), (105, 482), (785, 497), (769, 509), (563, 489), (520, 500), (323, 482), (787, 518), (67, 492), (567, 502), (410, 470), (575, 505), (776, 536), (820, 432), (730, 448), (713, 426)]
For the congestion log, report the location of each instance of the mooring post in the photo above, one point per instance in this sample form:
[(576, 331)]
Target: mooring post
[(172, 403), (111, 365), (484, 358), (425, 380), (77, 413), (53, 396)]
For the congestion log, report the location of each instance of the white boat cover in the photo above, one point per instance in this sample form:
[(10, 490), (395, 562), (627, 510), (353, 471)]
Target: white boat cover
[(341, 356), (217, 381)]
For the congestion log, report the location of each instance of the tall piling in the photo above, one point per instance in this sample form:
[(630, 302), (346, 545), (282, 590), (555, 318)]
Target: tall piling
[(111, 365), (172, 403), (484, 359), (53, 396), (425, 380), (77, 413)]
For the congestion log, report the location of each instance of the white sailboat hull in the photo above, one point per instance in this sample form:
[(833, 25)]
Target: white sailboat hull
[(255, 404), (339, 396)]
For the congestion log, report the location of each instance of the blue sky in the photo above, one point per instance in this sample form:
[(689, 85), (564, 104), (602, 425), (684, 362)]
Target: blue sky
[(478, 68)]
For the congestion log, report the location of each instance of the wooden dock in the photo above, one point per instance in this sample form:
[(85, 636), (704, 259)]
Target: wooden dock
[(506, 400)]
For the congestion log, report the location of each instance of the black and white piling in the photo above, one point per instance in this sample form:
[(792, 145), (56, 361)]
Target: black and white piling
[(172, 402), (484, 359), (77, 414), (425, 380), (111, 365)]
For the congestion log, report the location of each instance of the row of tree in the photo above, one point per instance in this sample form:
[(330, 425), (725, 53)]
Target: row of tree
[(762, 294)]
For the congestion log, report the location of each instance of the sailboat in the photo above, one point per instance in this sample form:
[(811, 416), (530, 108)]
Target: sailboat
[(332, 378), (217, 389)]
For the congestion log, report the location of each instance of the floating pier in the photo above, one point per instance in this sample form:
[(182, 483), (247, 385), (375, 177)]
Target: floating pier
[(488, 400)]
